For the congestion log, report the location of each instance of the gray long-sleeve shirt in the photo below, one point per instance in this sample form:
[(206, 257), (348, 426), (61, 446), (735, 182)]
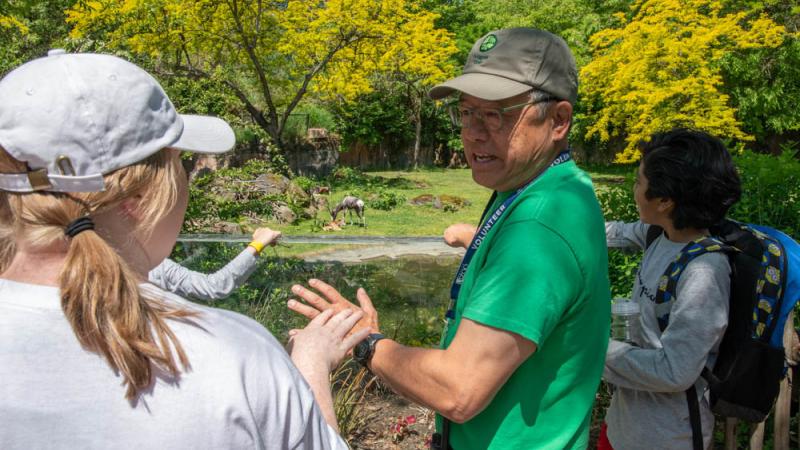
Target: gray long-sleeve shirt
[(649, 408), (173, 277)]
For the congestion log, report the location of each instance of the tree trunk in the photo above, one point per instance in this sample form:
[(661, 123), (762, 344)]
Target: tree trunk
[(417, 136)]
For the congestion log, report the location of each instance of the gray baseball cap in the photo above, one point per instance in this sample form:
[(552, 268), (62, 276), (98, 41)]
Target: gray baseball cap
[(97, 113), (509, 62)]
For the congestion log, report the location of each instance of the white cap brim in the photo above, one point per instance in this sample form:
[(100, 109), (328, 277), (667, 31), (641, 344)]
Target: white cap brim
[(481, 85), (204, 134)]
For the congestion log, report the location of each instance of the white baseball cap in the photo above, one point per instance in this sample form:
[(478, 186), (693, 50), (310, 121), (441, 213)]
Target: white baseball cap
[(76, 117)]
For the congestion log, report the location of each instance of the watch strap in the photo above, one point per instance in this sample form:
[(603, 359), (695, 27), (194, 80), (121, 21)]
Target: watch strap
[(370, 341)]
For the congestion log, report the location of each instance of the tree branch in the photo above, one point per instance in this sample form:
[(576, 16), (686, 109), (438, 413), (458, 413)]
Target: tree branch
[(346, 40), (256, 114), (274, 127)]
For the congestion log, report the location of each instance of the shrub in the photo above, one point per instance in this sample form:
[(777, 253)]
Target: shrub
[(350, 384), (385, 200), (304, 116), (622, 267), (250, 170), (227, 196), (770, 190), (305, 183), (617, 203), (347, 176)]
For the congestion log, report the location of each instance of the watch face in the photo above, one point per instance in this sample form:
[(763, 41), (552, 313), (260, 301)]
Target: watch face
[(361, 350)]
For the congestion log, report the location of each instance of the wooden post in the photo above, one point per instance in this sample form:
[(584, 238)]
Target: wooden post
[(730, 433), (757, 437), (784, 401), (782, 414)]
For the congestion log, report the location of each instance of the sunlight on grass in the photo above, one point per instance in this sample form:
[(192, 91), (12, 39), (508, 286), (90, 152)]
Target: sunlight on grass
[(425, 220)]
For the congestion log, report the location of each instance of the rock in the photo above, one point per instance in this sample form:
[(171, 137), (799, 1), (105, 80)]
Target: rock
[(444, 201), (283, 214), (274, 184), (297, 194), (310, 212), (424, 199), (454, 200), (227, 196), (250, 223), (320, 202), (271, 184), (229, 228)]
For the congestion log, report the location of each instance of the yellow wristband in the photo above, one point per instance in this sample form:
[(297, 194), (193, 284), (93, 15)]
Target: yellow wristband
[(258, 246)]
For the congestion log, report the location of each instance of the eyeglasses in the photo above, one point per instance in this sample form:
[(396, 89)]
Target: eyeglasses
[(492, 118)]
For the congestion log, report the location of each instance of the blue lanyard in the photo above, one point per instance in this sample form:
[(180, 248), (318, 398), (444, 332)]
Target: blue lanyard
[(480, 236)]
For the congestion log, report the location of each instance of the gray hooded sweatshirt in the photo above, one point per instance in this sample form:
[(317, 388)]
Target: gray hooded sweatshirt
[(175, 278), (648, 408)]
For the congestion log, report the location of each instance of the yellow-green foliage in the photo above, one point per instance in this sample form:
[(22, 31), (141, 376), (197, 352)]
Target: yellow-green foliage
[(329, 47), (389, 36), (11, 22), (658, 70)]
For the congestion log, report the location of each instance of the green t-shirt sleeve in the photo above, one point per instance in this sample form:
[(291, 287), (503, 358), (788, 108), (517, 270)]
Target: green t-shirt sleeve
[(529, 281)]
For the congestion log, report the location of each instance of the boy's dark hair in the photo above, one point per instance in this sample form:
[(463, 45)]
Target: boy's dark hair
[(695, 170)]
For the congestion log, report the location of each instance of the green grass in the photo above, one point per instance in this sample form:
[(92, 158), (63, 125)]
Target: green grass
[(425, 220)]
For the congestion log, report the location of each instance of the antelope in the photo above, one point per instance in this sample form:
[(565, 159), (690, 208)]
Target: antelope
[(350, 204)]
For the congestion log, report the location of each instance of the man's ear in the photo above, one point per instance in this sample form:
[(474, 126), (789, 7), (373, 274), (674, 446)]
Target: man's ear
[(561, 114)]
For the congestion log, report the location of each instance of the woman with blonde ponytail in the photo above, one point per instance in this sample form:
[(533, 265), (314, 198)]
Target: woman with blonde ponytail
[(92, 356)]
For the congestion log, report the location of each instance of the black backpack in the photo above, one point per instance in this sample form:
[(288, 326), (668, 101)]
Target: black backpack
[(746, 377)]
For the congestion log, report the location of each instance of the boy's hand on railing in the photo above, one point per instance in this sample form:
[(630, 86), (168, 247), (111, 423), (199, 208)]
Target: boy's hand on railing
[(266, 236), (459, 235)]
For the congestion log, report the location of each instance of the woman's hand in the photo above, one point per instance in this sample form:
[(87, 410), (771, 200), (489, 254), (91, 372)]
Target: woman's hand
[(319, 348), (459, 235), (333, 300), (324, 342)]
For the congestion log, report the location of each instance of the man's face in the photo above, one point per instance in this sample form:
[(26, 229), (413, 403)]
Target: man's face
[(507, 158)]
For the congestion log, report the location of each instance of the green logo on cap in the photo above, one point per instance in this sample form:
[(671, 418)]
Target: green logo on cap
[(488, 43)]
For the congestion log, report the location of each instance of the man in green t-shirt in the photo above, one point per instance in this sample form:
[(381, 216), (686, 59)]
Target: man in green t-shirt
[(524, 346)]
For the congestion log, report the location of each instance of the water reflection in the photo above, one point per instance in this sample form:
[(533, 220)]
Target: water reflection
[(410, 292)]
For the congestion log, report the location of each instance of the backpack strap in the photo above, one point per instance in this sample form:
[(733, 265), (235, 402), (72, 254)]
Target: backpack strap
[(771, 285), (667, 286), (694, 418), (668, 283), (653, 232)]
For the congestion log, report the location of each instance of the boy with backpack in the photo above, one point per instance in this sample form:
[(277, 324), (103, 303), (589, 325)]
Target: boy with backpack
[(685, 185)]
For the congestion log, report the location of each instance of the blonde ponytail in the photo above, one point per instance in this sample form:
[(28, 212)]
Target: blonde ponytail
[(100, 293)]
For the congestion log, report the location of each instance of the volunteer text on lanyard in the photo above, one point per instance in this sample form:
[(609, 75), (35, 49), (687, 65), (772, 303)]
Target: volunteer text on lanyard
[(477, 240)]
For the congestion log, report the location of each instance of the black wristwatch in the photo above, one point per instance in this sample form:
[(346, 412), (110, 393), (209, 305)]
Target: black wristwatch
[(363, 351)]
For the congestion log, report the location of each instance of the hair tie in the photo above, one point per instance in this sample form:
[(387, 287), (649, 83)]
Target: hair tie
[(79, 225)]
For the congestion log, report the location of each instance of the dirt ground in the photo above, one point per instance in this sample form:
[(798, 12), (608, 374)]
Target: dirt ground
[(394, 424), (387, 429)]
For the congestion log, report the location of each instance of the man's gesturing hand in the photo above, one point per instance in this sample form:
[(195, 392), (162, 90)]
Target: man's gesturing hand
[(330, 298)]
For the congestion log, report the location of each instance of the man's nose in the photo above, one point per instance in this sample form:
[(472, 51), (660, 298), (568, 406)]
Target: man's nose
[(476, 131)]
